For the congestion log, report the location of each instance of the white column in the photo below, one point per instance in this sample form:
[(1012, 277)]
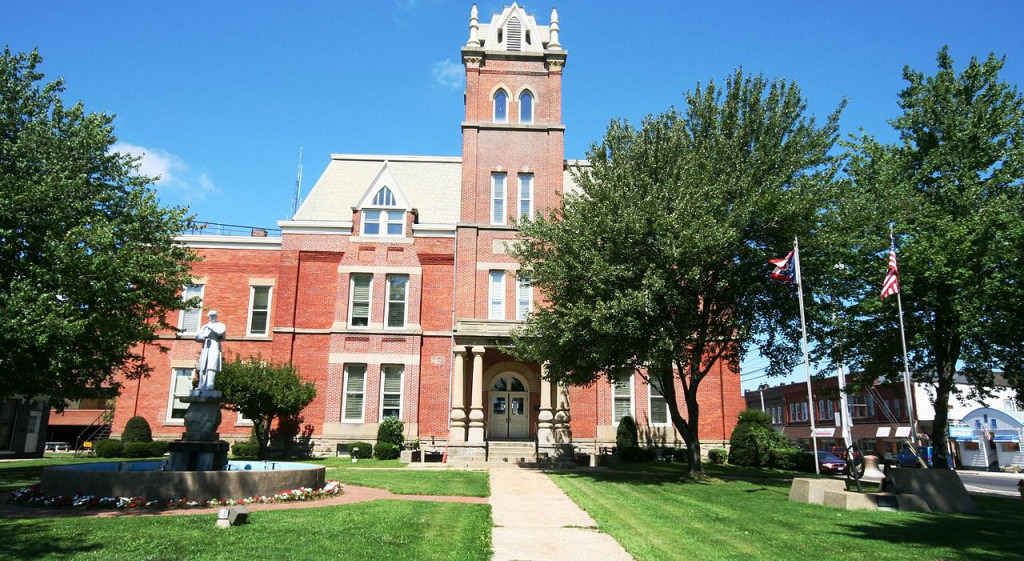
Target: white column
[(476, 408), (545, 426), (458, 414)]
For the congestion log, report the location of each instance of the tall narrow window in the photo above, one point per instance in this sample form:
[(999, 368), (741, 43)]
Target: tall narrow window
[(622, 397), (259, 310), (659, 407), (524, 297), (397, 298), (500, 106), (391, 391), (181, 385), (188, 321), (496, 294), (498, 181), (526, 108), (526, 196), (355, 389), (359, 310)]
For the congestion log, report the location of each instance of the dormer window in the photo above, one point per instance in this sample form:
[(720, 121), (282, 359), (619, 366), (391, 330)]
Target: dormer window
[(384, 221), (526, 108), (500, 107)]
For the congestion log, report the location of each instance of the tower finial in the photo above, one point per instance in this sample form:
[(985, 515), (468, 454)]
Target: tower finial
[(553, 43), (474, 27)]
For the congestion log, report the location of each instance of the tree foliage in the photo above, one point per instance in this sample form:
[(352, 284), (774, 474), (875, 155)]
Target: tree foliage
[(263, 392), (658, 263), (953, 189), (754, 442), (88, 263)]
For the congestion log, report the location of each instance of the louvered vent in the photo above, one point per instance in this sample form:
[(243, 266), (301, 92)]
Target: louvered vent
[(514, 40)]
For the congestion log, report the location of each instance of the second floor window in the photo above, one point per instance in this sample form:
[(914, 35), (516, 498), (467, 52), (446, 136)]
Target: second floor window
[(798, 412), (524, 297), (526, 196), (397, 298), (359, 310), (498, 181), (259, 310), (500, 106), (526, 108), (188, 321), (496, 295)]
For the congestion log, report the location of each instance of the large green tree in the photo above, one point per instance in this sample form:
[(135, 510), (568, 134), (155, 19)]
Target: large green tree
[(657, 264), (88, 263), (952, 187), (263, 391)]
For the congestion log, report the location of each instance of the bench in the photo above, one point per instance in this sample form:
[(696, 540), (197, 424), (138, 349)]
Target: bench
[(57, 447)]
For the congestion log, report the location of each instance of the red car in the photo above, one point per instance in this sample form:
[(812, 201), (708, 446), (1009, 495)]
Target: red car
[(830, 463)]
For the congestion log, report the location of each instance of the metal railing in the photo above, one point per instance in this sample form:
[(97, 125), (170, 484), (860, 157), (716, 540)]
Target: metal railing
[(217, 229)]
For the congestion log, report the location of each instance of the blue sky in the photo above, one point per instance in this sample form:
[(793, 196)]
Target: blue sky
[(220, 96)]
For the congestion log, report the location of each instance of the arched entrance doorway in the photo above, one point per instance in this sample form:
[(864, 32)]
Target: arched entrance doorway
[(509, 415)]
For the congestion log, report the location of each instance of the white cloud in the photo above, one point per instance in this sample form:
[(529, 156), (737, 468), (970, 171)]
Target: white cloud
[(448, 74), (176, 181)]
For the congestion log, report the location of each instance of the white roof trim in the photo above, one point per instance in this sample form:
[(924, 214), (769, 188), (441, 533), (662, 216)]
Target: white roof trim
[(385, 178)]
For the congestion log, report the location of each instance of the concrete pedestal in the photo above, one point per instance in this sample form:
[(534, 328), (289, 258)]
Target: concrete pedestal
[(198, 456), (200, 448)]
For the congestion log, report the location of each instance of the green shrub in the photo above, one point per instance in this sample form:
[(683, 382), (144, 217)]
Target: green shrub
[(791, 458), (755, 416), (752, 444), (158, 447), (137, 430), (390, 431), (386, 451), (137, 450), (626, 435), (245, 449), (631, 453), (108, 448), (717, 455), (360, 450)]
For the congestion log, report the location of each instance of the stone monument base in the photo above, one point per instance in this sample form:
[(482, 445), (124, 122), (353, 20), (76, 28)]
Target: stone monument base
[(198, 456), (200, 447)]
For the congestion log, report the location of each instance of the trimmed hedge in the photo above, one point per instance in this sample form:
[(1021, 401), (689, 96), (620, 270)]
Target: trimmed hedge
[(386, 451), (361, 450), (717, 455), (245, 449), (627, 434), (390, 431), (136, 450), (137, 430), (108, 448)]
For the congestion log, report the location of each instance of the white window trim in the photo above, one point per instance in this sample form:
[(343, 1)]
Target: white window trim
[(496, 289), (241, 420), (387, 302), (533, 189), (345, 392), (401, 391), (388, 216), (252, 300), (651, 391), (181, 314), (352, 300), (168, 419), (632, 400), (503, 218)]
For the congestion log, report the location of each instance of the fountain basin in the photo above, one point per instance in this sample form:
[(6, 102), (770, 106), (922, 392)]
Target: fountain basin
[(241, 479)]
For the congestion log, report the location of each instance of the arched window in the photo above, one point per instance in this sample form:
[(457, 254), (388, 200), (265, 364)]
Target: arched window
[(500, 107), (526, 108), (383, 221)]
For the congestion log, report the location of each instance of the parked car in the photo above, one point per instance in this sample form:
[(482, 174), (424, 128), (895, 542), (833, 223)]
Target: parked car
[(907, 458), (830, 463), (840, 452)]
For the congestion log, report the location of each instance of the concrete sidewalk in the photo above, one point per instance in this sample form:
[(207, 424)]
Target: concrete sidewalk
[(535, 521)]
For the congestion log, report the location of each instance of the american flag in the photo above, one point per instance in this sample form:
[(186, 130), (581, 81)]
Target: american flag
[(784, 269), (891, 284)]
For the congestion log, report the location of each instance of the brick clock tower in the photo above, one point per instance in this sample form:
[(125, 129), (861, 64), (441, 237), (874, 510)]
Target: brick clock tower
[(512, 169)]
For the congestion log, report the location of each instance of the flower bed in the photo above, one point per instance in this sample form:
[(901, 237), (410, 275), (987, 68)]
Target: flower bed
[(32, 496)]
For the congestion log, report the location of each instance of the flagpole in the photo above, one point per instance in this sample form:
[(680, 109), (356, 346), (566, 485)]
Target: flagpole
[(907, 385), (807, 360)]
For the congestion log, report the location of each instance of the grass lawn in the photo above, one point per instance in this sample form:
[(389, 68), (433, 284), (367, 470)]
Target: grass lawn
[(418, 482), (749, 517), (379, 530)]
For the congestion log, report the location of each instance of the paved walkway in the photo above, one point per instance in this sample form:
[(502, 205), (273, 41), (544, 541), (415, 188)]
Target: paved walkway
[(535, 521)]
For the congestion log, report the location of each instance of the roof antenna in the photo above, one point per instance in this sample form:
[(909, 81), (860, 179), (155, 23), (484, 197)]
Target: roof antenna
[(298, 187)]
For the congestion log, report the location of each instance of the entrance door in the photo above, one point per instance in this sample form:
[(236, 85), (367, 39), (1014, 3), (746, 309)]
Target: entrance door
[(510, 403)]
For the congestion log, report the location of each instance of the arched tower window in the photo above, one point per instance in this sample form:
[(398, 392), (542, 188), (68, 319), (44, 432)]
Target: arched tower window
[(500, 107), (526, 108)]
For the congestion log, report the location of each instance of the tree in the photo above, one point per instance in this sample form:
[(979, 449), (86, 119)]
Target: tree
[(263, 392), (88, 263), (658, 265), (953, 189)]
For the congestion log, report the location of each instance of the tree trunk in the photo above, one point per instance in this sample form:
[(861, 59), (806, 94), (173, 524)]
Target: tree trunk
[(943, 387), (686, 427)]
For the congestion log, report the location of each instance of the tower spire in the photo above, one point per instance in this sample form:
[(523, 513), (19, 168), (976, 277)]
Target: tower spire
[(553, 43), (474, 27)]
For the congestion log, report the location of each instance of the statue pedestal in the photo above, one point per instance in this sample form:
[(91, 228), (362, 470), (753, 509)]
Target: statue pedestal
[(200, 448)]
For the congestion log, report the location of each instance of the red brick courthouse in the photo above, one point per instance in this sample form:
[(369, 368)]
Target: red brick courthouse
[(392, 287)]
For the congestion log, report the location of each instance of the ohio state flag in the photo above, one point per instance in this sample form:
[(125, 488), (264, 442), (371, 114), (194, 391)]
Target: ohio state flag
[(784, 271), (891, 283)]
